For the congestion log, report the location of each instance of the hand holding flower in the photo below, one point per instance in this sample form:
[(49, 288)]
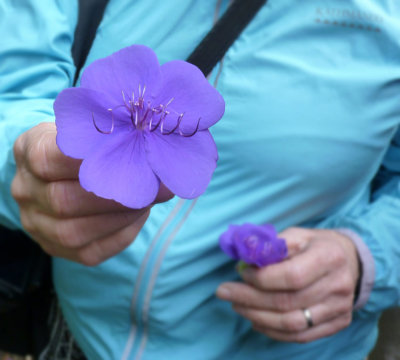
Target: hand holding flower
[(141, 130), (320, 275), (253, 244), (63, 218)]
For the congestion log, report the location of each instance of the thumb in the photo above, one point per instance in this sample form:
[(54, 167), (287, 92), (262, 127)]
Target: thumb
[(164, 194), (297, 239)]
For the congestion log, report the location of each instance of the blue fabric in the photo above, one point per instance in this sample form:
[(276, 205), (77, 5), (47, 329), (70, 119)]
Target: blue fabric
[(312, 112)]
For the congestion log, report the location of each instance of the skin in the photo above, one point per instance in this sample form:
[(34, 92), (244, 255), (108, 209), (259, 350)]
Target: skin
[(320, 274), (63, 218)]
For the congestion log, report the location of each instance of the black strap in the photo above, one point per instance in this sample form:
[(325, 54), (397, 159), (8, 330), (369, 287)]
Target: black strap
[(219, 39), (90, 14), (206, 55)]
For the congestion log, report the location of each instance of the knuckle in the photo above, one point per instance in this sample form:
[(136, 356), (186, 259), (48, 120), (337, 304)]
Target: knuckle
[(17, 190), (57, 199), (295, 277), (67, 235), (291, 323), (241, 298), (341, 309), (347, 284), (347, 318), (38, 160), (19, 148), (284, 301), (88, 258), (27, 222), (336, 256), (61, 234), (349, 305)]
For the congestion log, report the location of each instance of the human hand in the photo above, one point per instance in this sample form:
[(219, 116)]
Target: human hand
[(320, 275), (58, 213)]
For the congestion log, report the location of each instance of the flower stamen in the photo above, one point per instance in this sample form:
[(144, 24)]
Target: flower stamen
[(112, 124), (194, 132), (178, 123), (169, 102), (142, 115)]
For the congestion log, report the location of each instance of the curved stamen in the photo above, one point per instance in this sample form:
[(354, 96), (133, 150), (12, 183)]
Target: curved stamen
[(112, 124), (162, 123), (125, 104), (140, 101), (194, 132), (151, 120), (132, 102), (178, 123), (136, 118), (142, 122), (169, 102), (144, 116)]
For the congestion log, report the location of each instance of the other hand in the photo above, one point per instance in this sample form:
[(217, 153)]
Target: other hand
[(320, 276)]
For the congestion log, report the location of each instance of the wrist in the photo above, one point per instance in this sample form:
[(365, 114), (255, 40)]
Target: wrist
[(367, 268)]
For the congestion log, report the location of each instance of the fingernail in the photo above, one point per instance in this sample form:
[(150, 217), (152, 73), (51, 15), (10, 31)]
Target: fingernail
[(223, 292)]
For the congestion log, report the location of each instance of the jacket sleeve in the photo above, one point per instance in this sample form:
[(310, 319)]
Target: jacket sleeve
[(36, 64), (379, 228)]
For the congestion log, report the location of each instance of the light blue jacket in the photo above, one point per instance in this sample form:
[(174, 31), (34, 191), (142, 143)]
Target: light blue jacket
[(312, 91)]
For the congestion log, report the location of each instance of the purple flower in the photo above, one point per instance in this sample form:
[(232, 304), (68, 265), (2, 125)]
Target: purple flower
[(253, 244), (137, 124)]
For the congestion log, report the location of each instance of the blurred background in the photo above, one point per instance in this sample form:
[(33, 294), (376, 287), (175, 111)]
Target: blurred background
[(387, 347)]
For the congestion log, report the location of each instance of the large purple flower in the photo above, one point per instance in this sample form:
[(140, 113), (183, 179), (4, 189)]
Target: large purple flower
[(136, 124), (254, 244)]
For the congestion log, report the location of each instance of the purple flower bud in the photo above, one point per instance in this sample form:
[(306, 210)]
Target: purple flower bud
[(254, 244)]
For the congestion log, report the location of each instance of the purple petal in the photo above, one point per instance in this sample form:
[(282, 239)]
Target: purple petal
[(124, 71), (193, 96), (184, 164), (256, 245), (74, 109), (226, 242), (119, 170), (271, 252), (268, 230)]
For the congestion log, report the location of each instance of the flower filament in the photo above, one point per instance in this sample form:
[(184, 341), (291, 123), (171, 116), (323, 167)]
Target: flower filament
[(144, 116)]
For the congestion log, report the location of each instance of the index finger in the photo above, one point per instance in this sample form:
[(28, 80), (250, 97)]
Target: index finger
[(43, 157)]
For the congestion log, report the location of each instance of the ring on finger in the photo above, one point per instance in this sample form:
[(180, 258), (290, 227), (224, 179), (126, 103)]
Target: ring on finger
[(308, 317)]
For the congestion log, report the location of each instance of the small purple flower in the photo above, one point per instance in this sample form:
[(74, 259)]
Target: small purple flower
[(137, 124), (253, 244)]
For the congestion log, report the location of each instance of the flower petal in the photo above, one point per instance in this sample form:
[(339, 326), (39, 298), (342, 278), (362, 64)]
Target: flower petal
[(192, 96), (184, 165), (254, 244), (227, 244), (75, 109), (124, 71), (119, 171)]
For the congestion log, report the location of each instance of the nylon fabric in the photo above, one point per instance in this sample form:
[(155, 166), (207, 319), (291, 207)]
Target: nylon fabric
[(312, 112)]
